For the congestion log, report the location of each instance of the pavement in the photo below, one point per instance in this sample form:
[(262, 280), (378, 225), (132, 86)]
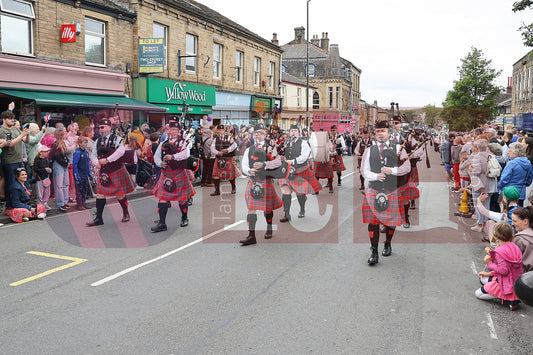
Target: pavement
[(137, 193)]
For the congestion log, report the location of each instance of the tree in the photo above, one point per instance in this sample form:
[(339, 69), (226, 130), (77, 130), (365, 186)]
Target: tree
[(410, 115), (431, 113), (472, 100), (527, 30)]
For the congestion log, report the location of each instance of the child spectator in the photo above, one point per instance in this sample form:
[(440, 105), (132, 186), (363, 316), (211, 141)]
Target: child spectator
[(523, 221), (463, 169), (42, 171), (505, 265), (82, 171), (455, 151)]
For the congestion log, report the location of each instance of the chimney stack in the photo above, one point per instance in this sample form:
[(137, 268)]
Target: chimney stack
[(324, 42), (275, 39), (315, 41), (299, 35)]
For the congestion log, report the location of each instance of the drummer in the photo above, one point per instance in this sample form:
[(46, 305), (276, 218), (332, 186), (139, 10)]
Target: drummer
[(297, 153), (385, 166), (324, 169), (340, 147)]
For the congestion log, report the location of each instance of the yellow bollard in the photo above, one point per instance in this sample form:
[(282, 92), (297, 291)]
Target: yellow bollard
[(464, 203)]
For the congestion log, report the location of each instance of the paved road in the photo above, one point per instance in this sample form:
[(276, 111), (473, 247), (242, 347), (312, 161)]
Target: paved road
[(309, 289)]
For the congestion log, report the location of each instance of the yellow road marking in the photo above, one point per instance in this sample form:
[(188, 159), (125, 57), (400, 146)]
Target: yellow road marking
[(75, 261)]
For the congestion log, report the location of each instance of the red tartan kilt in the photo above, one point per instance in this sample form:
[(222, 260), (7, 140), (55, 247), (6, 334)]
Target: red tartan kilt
[(338, 163), (229, 172), (409, 191), (393, 216), (121, 184), (270, 200), (414, 178), (184, 189), (324, 170), (303, 183), (16, 214)]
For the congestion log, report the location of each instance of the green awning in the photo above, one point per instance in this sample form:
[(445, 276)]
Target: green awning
[(194, 110), (62, 98)]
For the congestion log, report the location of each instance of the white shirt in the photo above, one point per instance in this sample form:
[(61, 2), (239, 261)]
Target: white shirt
[(403, 169)]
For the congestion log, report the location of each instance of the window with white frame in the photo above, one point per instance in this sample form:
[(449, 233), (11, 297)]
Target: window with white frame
[(239, 59), (330, 97), (94, 42), (298, 96), (337, 97), (312, 70), (271, 74), (217, 60), (161, 31), (17, 26), (191, 49), (257, 71)]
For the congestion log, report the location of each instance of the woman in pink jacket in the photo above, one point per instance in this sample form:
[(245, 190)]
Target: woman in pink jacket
[(505, 265)]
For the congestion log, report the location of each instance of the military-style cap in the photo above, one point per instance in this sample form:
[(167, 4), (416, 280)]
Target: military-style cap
[(220, 126), (382, 124), (105, 122), (259, 126), (173, 124), (294, 126)]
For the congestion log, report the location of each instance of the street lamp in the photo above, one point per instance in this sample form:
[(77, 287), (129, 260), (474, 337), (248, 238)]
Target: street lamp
[(307, 71)]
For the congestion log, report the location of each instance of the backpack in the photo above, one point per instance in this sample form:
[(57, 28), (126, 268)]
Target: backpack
[(493, 168)]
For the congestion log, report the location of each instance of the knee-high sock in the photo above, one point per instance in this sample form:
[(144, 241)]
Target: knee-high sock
[(124, 204), (251, 219), (406, 211), (330, 182), (373, 233), (183, 209), (217, 184), (269, 215), (301, 200), (100, 204), (162, 209), (286, 203), (389, 233), (232, 182), (339, 176)]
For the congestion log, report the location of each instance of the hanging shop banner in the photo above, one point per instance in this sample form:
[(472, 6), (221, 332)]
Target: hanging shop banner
[(260, 105), (151, 55)]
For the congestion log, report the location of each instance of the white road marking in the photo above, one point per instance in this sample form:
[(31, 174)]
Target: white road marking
[(138, 266), (473, 267), (490, 324)]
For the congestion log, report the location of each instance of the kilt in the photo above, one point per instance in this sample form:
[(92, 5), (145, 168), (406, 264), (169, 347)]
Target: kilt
[(16, 214), (270, 200), (338, 163), (324, 170), (229, 172), (392, 216), (409, 191), (303, 183), (414, 176), (184, 189), (121, 183)]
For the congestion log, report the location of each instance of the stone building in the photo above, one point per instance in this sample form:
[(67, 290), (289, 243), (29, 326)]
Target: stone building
[(293, 93), (522, 85), (337, 97), (148, 59)]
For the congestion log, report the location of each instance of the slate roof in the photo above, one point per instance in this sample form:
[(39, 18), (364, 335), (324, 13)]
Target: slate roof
[(286, 77), (299, 51), (209, 15)]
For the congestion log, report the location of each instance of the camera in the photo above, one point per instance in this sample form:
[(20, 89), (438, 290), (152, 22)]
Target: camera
[(9, 136)]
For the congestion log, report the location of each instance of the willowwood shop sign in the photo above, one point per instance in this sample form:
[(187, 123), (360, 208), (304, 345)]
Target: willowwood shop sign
[(170, 92)]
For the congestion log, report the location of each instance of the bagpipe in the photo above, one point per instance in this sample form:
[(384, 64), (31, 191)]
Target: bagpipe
[(224, 142), (285, 171), (191, 163)]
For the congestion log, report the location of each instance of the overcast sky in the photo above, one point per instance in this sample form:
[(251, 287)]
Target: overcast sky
[(408, 50)]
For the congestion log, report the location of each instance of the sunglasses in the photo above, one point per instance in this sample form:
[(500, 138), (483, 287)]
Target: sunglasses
[(100, 127)]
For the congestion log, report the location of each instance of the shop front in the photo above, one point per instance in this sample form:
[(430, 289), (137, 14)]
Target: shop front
[(231, 108), (66, 93), (175, 97), (265, 108)]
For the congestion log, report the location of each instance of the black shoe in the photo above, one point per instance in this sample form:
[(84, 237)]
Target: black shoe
[(387, 250), (413, 206), (95, 222), (268, 234), (339, 183), (374, 257), (160, 227), (330, 189), (216, 193), (62, 208), (233, 191), (250, 239), (184, 222), (126, 218), (285, 218), (406, 225), (301, 214)]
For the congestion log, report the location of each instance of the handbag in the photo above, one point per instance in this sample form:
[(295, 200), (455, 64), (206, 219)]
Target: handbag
[(46, 182)]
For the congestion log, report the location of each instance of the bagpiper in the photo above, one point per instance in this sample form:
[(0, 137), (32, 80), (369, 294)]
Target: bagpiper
[(364, 143), (260, 193), (386, 168), (109, 155), (415, 148), (340, 146), (224, 148), (174, 183), (297, 152)]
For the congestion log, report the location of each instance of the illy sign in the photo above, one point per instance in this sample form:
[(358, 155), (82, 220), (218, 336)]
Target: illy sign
[(68, 33)]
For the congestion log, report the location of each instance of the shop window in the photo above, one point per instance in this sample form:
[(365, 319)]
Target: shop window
[(17, 26), (161, 31), (239, 59), (94, 42), (257, 71), (217, 60), (191, 48)]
